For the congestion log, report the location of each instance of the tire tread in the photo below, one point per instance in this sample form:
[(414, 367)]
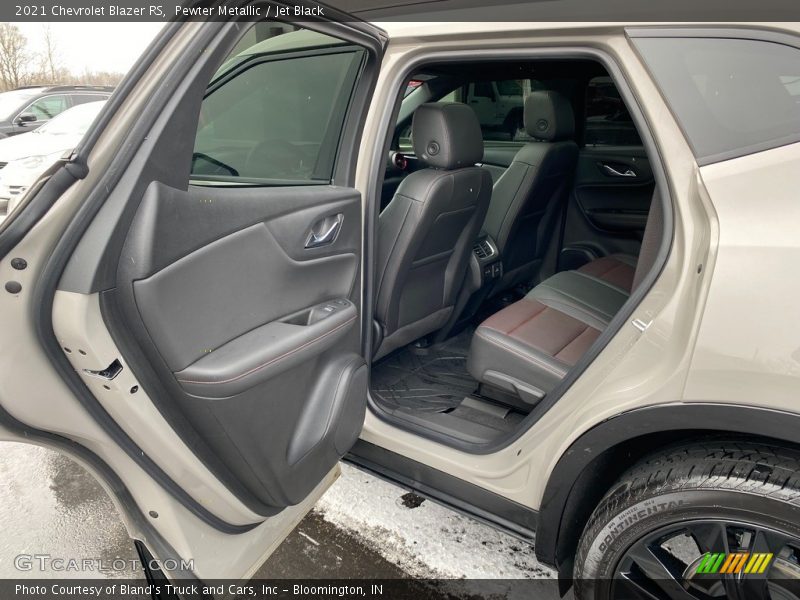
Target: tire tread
[(750, 467)]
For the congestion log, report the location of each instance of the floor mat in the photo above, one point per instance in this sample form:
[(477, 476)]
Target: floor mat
[(432, 379)]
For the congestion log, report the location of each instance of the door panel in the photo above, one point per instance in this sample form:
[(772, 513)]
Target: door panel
[(608, 207), (249, 328)]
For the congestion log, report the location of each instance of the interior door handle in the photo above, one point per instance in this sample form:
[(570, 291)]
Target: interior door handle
[(614, 172), (324, 231)]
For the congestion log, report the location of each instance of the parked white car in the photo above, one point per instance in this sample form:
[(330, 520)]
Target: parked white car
[(23, 158)]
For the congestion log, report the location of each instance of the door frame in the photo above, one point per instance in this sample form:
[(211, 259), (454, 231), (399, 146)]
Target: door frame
[(386, 121)]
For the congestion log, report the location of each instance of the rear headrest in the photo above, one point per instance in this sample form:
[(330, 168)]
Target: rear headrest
[(447, 135), (548, 116)]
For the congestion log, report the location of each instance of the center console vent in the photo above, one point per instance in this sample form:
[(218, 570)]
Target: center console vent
[(483, 249)]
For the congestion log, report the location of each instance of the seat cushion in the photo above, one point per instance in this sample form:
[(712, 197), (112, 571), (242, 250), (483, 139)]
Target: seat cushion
[(528, 347), (617, 269)]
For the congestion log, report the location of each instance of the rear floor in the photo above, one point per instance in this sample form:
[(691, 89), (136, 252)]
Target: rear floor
[(434, 381)]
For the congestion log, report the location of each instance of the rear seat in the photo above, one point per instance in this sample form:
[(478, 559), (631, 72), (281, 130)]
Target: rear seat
[(528, 347), (617, 269)]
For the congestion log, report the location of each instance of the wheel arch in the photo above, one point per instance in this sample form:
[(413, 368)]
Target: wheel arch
[(595, 460)]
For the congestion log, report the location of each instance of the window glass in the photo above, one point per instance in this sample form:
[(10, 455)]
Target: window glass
[(509, 88), (608, 122), (483, 89), (500, 115), (48, 107), (730, 96), (73, 121), (275, 110), (84, 98)]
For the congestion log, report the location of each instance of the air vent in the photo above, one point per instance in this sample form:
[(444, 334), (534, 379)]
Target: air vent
[(483, 249)]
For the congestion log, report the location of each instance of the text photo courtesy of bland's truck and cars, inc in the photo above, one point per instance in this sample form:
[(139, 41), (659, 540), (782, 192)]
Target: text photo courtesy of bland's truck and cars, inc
[(163, 11)]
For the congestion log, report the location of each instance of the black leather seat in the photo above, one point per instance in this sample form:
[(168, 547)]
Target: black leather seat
[(426, 232), (526, 198), (528, 347)]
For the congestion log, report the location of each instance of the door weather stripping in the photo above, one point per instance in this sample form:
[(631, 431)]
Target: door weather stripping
[(109, 373)]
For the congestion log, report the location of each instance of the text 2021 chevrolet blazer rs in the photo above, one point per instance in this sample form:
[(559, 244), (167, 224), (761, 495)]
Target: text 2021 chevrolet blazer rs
[(267, 257)]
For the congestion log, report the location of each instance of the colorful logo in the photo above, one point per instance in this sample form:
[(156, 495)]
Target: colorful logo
[(740, 562)]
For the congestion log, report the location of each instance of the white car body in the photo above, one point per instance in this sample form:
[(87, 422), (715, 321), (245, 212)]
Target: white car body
[(25, 157)]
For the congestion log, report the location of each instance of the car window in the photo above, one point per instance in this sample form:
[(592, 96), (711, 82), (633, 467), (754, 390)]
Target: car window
[(73, 121), (500, 117), (483, 89), (730, 96), (607, 120), (411, 86), (509, 87), (276, 115), (84, 98), (48, 107)]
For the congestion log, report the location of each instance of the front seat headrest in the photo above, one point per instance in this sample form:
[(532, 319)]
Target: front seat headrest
[(548, 116), (447, 135)]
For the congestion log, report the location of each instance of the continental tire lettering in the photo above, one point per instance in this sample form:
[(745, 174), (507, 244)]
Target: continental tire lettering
[(624, 521)]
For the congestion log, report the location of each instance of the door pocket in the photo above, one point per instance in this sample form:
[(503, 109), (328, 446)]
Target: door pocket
[(334, 413)]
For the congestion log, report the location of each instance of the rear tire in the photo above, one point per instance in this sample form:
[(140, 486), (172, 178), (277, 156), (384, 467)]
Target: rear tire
[(715, 496)]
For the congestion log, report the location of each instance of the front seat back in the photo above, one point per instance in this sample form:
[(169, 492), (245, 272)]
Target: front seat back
[(426, 232), (526, 198)]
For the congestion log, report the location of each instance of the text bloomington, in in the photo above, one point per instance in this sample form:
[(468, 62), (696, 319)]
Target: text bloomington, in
[(127, 589), (112, 10)]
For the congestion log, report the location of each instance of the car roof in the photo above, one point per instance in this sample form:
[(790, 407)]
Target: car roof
[(65, 88), (573, 12), (397, 29)]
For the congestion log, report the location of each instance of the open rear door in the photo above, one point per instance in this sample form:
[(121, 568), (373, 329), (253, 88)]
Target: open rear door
[(183, 313)]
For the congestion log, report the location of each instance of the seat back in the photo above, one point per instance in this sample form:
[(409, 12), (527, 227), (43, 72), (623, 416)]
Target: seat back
[(526, 198), (426, 232)]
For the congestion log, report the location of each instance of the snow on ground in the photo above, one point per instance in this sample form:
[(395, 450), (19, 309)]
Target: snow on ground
[(428, 541), (48, 504)]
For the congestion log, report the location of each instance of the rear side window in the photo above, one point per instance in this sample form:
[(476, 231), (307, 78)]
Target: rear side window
[(731, 97), (274, 112), (608, 122)]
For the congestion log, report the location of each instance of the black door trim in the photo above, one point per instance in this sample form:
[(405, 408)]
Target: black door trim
[(443, 488)]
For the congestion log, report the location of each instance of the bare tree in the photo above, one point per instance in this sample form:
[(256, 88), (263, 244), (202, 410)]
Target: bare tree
[(50, 62), (20, 67), (14, 58)]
